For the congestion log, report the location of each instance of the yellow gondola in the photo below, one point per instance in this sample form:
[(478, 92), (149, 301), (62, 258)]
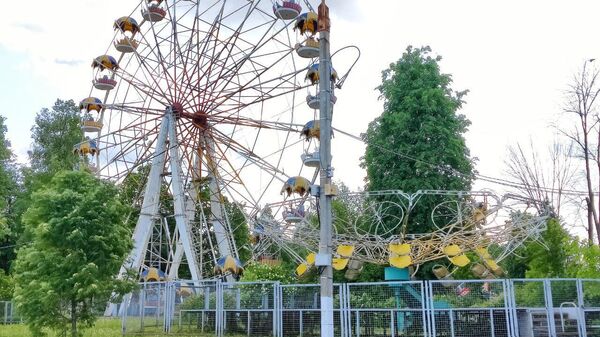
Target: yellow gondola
[(91, 104), (313, 74), (297, 184), (229, 264), (105, 62), (127, 24), (307, 23), (311, 129)]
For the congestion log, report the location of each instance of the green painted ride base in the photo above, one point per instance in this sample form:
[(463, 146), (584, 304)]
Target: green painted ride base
[(396, 274)]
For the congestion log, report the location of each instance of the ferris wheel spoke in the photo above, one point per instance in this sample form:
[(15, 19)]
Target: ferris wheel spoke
[(254, 123), (250, 156), (164, 71), (187, 73), (232, 173), (155, 91), (176, 49), (255, 85), (136, 110)]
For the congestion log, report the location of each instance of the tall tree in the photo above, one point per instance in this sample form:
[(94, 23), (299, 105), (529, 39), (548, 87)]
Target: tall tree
[(417, 143), (8, 191), (54, 134), (582, 102), (66, 275)]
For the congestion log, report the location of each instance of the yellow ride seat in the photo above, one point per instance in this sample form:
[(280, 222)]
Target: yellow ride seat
[(345, 250)]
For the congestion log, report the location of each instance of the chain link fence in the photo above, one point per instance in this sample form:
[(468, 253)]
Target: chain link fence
[(448, 308)]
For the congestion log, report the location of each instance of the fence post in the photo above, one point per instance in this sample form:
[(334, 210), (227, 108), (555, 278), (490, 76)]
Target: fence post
[(580, 309), (508, 309), (301, 324), (275, 309), (342, 295), (348, 311), (451, 318), (549, 308), (425, 309), (431, 309), (218, 309), (492, 322), (392, 323)]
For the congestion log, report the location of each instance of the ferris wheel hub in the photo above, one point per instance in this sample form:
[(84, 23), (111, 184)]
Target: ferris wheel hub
[(177, 109)]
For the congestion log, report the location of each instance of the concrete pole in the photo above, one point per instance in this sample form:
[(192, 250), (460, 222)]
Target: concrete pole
[(326, 173)]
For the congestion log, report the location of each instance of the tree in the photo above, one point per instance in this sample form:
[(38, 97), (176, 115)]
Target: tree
[(54, 134), (544, 179), (7, 286), (8, 192), (67, 274), (585, 134), (417, 143), (556, 254)]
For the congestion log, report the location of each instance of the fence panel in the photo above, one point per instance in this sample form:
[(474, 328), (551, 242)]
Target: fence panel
[(453, 308), (589, 302), (301, 310), (470, 308), (249, 309), (564, 307), (533, 314), (8, 313), (386, 309), (194, 307), (144, 310)]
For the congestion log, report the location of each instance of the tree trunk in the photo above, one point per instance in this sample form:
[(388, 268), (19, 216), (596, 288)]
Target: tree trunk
[(73, 319), (590, 225)]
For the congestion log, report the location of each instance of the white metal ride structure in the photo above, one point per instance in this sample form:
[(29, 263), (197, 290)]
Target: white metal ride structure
[(201, 97)]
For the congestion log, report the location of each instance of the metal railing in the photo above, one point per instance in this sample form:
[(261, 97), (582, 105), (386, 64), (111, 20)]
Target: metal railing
[(454, 308)]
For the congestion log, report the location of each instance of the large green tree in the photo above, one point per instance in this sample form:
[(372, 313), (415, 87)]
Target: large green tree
[(54, 134), (417, 143), (556, 254), (8, 192), (65, 276)]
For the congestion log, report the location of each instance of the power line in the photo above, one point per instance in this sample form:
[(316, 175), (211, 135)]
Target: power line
[(494, 180)]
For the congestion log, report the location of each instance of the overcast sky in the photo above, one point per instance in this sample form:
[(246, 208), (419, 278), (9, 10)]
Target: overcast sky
[(515, 57)]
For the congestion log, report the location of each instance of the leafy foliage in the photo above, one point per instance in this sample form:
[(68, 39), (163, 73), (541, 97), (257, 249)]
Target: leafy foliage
[(557, 254), (66, 275), (263, 272), (8, 192), (417, 143), (54, 134), (7, 286)]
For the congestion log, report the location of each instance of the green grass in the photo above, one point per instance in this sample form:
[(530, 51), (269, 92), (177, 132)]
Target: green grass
[(103, 328)]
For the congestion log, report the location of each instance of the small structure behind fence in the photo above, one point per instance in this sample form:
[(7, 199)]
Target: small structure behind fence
[(8, 313), (473, 308)]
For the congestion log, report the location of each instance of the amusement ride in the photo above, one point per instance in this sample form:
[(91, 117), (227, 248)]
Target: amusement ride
[(226, 106)]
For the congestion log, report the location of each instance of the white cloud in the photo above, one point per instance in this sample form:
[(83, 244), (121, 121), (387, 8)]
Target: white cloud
[(515, 57)]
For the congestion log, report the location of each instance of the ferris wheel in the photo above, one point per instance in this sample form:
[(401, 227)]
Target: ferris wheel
[(207, 97)]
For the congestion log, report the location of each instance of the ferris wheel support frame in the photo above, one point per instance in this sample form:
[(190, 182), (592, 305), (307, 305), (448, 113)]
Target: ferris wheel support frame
[(166, 142)]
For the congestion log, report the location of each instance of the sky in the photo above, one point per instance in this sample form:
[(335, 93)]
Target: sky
[(516, 58)]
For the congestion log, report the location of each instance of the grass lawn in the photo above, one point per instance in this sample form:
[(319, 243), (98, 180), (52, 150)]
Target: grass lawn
[(103, 328)]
